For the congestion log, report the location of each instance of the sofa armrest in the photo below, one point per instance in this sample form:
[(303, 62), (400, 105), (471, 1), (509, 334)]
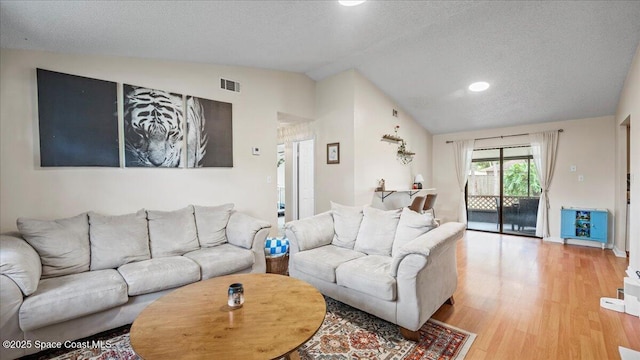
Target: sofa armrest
[(10, 302), (250, 233), (242, 229), (423, 245), (310, 233), (20, 263)]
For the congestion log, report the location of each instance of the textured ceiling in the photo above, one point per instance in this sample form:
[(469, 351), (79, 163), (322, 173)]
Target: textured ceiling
[(545, 61)]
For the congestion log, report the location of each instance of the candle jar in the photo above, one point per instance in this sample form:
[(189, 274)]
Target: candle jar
[(236, 295)]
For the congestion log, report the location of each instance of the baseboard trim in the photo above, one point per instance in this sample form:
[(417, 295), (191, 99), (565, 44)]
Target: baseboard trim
[(554, 239), (593, 244), (619, 253)]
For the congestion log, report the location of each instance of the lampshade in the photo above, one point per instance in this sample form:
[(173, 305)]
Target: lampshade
[(418, 179)]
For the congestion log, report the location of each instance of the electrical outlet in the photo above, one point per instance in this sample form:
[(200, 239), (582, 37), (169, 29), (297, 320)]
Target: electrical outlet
[(580, 177), (573, 168), (255, 150)]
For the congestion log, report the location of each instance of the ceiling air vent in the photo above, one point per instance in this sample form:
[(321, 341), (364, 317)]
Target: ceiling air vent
[(229, 85)]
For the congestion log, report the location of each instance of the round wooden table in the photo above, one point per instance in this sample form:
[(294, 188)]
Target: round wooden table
[(194, 322)]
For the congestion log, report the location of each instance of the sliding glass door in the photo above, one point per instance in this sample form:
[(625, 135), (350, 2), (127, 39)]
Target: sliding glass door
[(483, 191), (503, 191)]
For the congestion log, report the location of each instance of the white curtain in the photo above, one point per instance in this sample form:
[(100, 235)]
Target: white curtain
[(462, 154), (544, 146), (295, 132)]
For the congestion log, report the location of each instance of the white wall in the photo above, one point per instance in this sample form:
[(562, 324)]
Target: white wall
[(629, 106), (375, 159), (334, 123), (587, 143), (28, 190), (354, 112)]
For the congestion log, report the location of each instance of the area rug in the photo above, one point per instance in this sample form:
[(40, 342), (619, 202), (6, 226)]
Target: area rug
[(346, 333)]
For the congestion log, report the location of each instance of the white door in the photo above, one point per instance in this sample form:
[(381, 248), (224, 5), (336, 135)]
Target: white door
[(304, 176)]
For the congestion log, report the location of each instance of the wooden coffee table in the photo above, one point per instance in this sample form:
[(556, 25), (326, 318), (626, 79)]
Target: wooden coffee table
[(194, 322)]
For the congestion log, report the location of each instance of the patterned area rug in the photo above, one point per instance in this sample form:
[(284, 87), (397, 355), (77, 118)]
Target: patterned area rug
[(346, 333)]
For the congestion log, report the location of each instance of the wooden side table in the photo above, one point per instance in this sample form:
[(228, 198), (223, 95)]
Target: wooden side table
[(278, 264)]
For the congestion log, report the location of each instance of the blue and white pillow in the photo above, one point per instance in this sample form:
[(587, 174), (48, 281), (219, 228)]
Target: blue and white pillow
[(276, 247)]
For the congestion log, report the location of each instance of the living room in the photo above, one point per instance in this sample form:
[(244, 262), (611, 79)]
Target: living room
[(345, 107)]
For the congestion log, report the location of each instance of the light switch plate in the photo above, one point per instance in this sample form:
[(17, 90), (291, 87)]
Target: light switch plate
[(573, 168)]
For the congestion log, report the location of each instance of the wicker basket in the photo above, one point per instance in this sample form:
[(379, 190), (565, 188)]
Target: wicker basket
[(278, 265)]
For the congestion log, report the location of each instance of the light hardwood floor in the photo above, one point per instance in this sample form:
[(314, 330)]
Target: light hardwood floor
[(528, 299)]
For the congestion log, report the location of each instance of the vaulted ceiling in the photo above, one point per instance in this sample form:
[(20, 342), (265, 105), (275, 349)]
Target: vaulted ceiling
[(545, 61)]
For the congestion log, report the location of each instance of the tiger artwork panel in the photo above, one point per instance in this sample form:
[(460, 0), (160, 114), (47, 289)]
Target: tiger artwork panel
[(77, 119), (209, 133), (153, 127)]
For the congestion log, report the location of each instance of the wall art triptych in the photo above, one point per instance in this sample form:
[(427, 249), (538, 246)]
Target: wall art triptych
[(78, 120), (79, 125)]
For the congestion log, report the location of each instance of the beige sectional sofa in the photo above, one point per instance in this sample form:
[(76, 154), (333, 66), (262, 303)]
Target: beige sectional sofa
[(397, 265), (71, 278)]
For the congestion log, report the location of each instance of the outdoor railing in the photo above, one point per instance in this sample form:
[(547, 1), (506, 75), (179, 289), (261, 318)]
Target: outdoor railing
[(490, 202)]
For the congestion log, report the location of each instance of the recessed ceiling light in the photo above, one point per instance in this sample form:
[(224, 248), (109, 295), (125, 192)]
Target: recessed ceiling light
[(351, 2), (479, 86)]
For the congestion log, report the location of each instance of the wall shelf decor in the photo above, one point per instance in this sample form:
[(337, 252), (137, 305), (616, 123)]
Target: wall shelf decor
[(385, 193), (405, 156), (391, 138)]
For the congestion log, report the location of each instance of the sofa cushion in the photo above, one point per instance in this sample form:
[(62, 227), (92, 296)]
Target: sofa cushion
[(211, 222), (322, 262), (377, 231), (63, 245), (118, 240), (369, 275), (153, 275), (20, 262), (346, 222), (411, 225), (222, 260), (72, 296), (172, 232)]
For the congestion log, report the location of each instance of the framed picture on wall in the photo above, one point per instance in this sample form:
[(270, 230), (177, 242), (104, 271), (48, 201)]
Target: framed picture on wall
[(78, 121), (153, 131), (333, 153), (209, 133)]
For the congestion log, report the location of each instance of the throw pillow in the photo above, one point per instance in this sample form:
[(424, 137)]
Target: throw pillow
[(211, 222), (63, 245), (412, 224), (346, 222), (118, 240), (377, 231), (172, 233)]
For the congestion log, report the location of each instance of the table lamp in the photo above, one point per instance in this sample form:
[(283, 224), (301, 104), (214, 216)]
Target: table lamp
[(418, 181)]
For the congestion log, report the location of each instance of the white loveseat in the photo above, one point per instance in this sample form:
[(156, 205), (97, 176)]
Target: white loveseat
[(396, 265), (71, 278)]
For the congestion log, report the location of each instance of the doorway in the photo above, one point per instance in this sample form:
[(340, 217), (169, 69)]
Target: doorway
[(280, 183), (503, 191), (303, 179)]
